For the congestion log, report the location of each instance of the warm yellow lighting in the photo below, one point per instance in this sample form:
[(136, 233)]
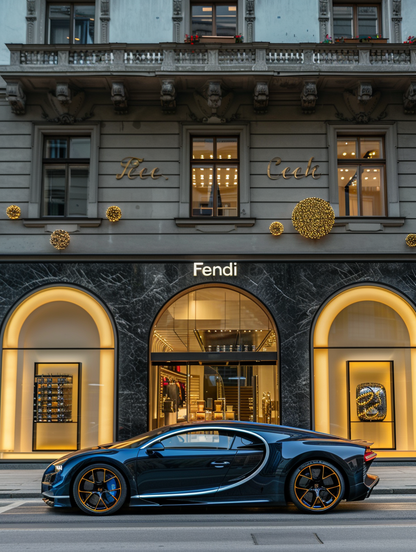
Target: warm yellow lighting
[(206, 9), (9, 360), (352, 153), (344, 153), (321, 341), (232, 8), (342, 178)]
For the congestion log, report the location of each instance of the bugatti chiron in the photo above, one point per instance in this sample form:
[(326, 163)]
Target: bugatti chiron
[(221, 462)]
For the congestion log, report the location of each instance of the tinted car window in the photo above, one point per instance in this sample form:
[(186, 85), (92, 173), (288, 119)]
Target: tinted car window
[(246, 441), (211, 439)]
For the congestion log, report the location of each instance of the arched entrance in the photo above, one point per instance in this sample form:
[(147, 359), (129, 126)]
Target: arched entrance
[(213, 356), (57, 376), (364, 369)]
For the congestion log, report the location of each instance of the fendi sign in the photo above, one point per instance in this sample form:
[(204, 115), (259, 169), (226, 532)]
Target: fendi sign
[(131, 165), (227, 270), (310, 171)]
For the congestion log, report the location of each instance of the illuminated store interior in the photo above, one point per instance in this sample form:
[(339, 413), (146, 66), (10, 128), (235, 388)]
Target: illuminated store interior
[(57, 387), (365, 370), (214, 356)]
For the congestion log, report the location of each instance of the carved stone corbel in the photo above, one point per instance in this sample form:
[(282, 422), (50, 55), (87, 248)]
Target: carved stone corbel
[(214, 95), (409, 99), (308, 97), (365, 92), (168, 96), (16, 98), (119, 98), (63, 93), (261, 97)]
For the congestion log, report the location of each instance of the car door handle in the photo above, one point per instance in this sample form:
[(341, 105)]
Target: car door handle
[(220, 464)]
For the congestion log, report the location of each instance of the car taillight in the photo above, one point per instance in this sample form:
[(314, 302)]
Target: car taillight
[(369, 455)]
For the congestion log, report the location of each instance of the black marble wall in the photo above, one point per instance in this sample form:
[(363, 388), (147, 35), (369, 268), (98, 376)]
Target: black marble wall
[(135, 292)]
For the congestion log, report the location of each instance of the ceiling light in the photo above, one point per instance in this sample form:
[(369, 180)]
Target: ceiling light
[(344, 153)]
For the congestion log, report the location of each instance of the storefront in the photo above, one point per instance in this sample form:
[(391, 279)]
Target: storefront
[(105, 351)]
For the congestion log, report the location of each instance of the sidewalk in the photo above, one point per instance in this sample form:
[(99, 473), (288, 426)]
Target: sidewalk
[(25, 483)]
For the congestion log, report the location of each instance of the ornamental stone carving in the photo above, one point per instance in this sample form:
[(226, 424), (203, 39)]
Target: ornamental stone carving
[(177, 7), (250, 17), (214, 95), (105, 21), (177, 19), (323, 19), (63, 93), (261, 97), (168, 96), (365, 92), (409, 99), (308, 97), (16, 98), (397, 8), (31, 19), (119, 98)]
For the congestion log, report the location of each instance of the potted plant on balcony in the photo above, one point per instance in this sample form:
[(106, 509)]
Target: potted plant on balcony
[(239, 39), (328, 40), (191, 39), (410, 40), (370, 39)]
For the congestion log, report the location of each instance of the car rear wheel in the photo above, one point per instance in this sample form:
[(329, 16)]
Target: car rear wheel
[(316, 487), (99, 490)]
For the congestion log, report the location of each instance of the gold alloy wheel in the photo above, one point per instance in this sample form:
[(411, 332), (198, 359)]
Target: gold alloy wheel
[(99, 489), (317, 487)]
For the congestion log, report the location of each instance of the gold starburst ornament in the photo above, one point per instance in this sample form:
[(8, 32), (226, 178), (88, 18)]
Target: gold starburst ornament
[(113, 213), (13, 212), (411, 240), (60, 239), (313, 218), (276, 228)]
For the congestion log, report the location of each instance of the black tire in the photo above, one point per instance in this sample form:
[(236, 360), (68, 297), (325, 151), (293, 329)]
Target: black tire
[(316, 487), (99, 490)]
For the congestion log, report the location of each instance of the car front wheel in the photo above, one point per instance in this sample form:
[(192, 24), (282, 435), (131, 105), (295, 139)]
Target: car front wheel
[(316, 487), (99, 490)]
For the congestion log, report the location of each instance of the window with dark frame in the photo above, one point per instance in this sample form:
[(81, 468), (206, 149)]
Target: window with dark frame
[(70, 22), (215, 176), (361, 176), (214, 19), (66, 171), (356, 20)]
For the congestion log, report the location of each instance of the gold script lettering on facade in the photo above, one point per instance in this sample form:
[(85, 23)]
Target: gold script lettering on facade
[(130, 164), (286, 174)]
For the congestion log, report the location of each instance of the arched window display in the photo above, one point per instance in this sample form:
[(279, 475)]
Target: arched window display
[(365, 369), (57, 375), (213, 356)]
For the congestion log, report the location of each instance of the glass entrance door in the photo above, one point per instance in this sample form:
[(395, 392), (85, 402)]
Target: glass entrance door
[(202, 392)]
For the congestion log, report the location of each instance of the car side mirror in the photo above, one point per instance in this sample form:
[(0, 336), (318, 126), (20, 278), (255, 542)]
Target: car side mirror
[(156, 447)]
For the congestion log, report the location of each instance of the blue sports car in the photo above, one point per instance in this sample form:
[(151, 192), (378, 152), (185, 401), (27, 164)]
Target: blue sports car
[(213, 463)]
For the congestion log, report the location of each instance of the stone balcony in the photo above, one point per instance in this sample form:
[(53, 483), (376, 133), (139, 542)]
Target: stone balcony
[(256, 58)]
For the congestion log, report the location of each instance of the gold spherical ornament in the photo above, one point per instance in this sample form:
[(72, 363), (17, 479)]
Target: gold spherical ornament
[(60, 239), (313, 218), (276, 228), (113, 213), (13, 212), (411, 240)]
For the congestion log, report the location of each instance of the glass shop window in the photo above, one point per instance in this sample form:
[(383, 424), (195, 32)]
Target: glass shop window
[(361, 176), (356, 20), (71, 23), (215, 177), (66, 171), (217, 19)]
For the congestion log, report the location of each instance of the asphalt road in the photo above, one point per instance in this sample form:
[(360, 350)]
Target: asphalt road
[(380, 523)]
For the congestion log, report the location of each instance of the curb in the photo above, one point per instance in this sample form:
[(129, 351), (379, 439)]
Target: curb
[(20, 495)]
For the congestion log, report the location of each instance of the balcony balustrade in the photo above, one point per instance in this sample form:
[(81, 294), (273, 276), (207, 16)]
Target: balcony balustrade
[(171, 57)]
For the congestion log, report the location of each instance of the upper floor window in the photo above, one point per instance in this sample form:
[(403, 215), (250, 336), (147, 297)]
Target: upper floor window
[(215, 176), (361, 176), (356, 20), (71, 23), (66, 173), (214, 19)]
